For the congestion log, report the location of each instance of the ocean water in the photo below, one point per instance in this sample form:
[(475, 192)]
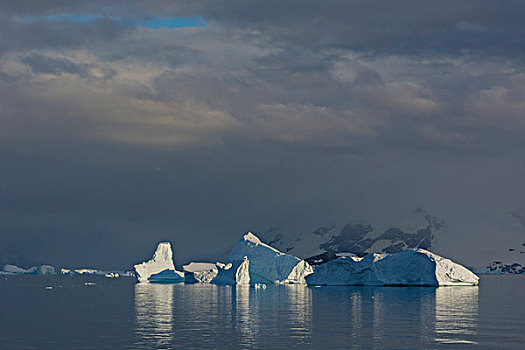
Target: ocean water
[(121, 314)]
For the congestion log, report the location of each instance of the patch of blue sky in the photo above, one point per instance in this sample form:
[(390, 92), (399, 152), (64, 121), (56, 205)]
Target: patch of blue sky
[(151, 22), (174, 22)]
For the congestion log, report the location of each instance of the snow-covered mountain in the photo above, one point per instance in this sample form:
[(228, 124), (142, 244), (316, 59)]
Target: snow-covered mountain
[(451, 237), (359, 237)]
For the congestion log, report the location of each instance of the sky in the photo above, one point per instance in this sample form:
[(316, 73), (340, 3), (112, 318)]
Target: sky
[(124, 123)]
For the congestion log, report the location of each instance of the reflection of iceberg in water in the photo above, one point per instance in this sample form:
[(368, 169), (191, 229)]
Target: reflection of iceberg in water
[(456, 315), (246, 320), (378, 317), (357, 312), (369, 315), (154, 315), (300, 312)]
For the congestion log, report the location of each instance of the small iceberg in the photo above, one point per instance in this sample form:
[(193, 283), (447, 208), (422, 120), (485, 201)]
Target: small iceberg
[(83, 271), (267, 264), (412, 267), (160, 268), (200, 272)]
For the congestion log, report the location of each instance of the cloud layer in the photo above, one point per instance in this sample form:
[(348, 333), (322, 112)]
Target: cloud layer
[(129, 122)]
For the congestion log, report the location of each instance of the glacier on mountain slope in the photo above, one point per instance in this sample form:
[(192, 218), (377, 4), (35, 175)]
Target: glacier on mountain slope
[(458, 235), (267, 264), (199, 272), (412, 267), (418, 230), (236, 272), (501, 268), (160, 268)]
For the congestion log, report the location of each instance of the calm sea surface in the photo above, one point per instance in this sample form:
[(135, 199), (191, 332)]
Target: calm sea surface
[(120, 314)]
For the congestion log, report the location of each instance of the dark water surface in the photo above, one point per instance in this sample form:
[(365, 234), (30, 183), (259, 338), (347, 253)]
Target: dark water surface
[(120, 314)]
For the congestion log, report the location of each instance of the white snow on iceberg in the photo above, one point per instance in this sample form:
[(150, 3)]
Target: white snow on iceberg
[(413, 267), (236, 272), (160, 268), (267, 264)]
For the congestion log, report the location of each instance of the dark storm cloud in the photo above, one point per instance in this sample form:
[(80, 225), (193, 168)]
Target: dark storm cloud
[(378, 26), (53, 35), (383, 26), (115, 134)]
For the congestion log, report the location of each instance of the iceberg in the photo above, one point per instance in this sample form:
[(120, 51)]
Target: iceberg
[(86, 271), (267, 264), (237, 272), (90, 271), (160, 268), (412, 267), (82, 271), (199, 272), (42, 270), (15, 270), (35, 270)]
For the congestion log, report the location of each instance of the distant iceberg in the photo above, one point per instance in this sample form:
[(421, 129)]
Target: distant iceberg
[(15, 270), (82, 271), (160, 268), (91, 271), (237, 272), (112, 275), (267, 264), (413, 267), (35, 270)]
